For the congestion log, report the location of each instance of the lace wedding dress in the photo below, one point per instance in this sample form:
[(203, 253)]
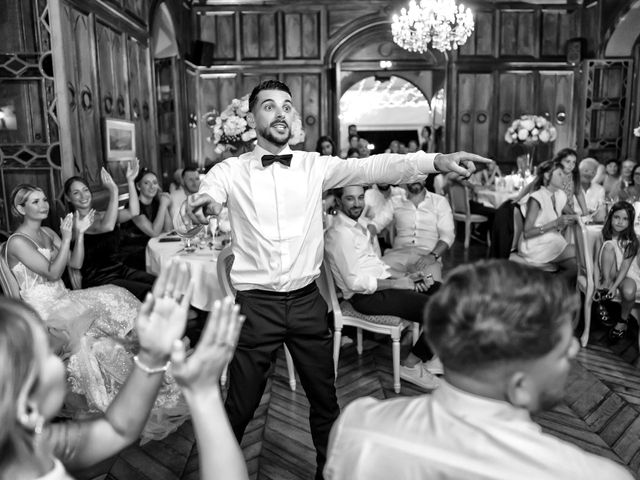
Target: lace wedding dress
[(92, 330)]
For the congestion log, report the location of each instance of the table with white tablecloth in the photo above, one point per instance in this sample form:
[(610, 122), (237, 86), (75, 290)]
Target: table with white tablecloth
[(494, 198), (202, 267)]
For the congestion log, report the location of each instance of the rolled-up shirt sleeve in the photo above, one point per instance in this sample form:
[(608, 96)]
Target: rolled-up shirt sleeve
[(390, 168), (343, 261), (446, 227)]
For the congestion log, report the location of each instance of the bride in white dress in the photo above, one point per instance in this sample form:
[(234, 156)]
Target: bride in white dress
[(91, 329)]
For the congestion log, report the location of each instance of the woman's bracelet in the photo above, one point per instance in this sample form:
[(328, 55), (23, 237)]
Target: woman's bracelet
[(150, 370)]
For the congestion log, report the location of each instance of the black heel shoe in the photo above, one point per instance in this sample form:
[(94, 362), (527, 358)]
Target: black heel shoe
[(616, 334)]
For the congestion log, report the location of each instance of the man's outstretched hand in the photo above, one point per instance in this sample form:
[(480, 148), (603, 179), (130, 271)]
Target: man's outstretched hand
[(461, 163), (200, 206)]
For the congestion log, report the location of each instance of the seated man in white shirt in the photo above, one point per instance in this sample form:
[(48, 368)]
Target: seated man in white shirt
[(424, 232), (593, 192), (503, 332), (372, 287), (190, 185)]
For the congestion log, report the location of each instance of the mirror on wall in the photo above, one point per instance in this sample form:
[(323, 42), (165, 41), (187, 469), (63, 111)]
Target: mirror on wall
[(391, 113)]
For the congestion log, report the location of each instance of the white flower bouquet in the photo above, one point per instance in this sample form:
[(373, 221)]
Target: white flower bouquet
[(230, 130), (531, 130)]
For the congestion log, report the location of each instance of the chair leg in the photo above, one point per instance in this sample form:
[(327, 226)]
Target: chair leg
[(290, 369), (337, 339), (395, 350), (359, 341), (588, 300), (467, 235), (223, 377)]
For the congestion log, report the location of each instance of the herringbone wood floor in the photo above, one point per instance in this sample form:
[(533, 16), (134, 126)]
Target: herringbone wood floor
[(600, 412)]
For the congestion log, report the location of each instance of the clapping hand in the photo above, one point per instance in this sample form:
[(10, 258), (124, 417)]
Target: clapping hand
[(132, 170), (66, 227), (163, 315), (107, 180), (82, 224), (202, 370)]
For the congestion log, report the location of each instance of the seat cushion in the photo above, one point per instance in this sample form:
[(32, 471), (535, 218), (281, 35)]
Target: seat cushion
[(347, 309)]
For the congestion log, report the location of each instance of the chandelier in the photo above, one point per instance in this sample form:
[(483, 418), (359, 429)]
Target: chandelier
[(439, 22)]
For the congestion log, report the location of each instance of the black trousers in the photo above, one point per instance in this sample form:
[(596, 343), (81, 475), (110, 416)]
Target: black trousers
[(298, 319), (137, 282), (405, 304)]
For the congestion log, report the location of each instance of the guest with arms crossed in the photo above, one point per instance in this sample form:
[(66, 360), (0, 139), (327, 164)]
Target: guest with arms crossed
[(372, 287), (154, 218), (424, 232), (101, 264), (274, 196), (503, 333)]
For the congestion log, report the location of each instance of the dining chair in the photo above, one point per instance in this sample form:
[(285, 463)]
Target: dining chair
[(8, 282), (223, 266), (345, 315), (459, 200)]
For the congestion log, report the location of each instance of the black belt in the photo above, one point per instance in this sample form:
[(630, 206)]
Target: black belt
[(290, 294)]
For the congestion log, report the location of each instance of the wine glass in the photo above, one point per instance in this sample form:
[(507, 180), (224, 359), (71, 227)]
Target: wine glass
[(185, 227)]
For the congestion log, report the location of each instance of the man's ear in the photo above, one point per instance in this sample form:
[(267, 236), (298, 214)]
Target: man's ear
[(251, 120), (519, 390)]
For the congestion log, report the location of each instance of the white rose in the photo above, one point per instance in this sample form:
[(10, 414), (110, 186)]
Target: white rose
[(246, 136), (251, 133), (544, 136), (553, 133), (541, 122), (523, 134), (528, 124), (235, 103), (508, 137), (244, 106), (535, 132)]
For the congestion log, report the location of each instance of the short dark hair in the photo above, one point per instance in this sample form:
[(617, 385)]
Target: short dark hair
[(339, 191), (189, 168), (497, 311), (266, 85), (351, 151)]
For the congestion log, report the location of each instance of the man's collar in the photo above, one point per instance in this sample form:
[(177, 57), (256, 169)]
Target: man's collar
[(258, 151), (350, 222)]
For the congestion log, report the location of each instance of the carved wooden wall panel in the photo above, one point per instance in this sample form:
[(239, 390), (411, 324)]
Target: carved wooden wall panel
[(475, 112), (112, 78), (259, 36), (481, 41), (518, 33), (305, 90), (556, 96), (301, 35), (558, 26)]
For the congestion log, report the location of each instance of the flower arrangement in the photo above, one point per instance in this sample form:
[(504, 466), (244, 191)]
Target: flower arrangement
[(530, 130), (230, 129)]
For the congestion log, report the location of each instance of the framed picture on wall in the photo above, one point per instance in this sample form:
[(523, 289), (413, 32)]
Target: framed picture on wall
[(120, 139)]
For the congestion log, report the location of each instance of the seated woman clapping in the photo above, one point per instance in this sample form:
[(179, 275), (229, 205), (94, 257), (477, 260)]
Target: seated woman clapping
[(101, 263), (91, 328), (32, 387), (154, 218), (617, 268), (542, 239)]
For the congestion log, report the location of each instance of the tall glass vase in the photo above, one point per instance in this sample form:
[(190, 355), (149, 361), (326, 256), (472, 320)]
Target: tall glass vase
[(526, 161)]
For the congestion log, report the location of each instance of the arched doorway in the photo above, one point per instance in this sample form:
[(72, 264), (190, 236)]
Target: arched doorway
[(366, 50)]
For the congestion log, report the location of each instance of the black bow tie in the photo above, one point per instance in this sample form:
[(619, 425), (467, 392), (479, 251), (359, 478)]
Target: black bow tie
[(283, 159)]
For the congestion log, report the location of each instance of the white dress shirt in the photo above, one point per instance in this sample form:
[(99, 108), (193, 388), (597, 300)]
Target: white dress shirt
[(424, 225), (379, 208), (354, 263), (276, 212), (453, 435)]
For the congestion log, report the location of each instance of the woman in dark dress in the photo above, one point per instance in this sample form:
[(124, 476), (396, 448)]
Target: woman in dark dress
[(101, 263), (154, 218)]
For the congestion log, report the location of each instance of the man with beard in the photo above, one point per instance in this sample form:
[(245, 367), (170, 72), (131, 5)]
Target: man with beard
[(503, 332), (371, 286), (424, 232), (274, 197), (190, 185)]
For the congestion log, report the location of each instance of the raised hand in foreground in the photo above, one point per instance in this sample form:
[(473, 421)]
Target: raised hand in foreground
[(199, 376)]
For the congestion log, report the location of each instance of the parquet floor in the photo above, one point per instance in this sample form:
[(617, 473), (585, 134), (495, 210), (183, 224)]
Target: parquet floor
[(600, 412)]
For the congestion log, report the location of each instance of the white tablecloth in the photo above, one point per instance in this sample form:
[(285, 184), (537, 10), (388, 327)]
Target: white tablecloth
[(202, 266), (494, 198)]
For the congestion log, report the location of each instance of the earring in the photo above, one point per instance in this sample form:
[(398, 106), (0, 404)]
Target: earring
[(33, 421)]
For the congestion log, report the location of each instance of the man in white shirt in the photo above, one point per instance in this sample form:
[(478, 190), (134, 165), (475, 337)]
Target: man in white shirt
[(190, 185), (593, 192), (503, 333), (424, 232), (274, 196), (371, 286)]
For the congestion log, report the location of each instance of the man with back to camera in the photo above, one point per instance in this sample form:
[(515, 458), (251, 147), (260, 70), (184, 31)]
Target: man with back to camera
[(274, 196), (504, 335)]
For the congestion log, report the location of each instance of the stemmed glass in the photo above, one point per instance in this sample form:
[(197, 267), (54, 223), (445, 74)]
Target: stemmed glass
[(185, 227)]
